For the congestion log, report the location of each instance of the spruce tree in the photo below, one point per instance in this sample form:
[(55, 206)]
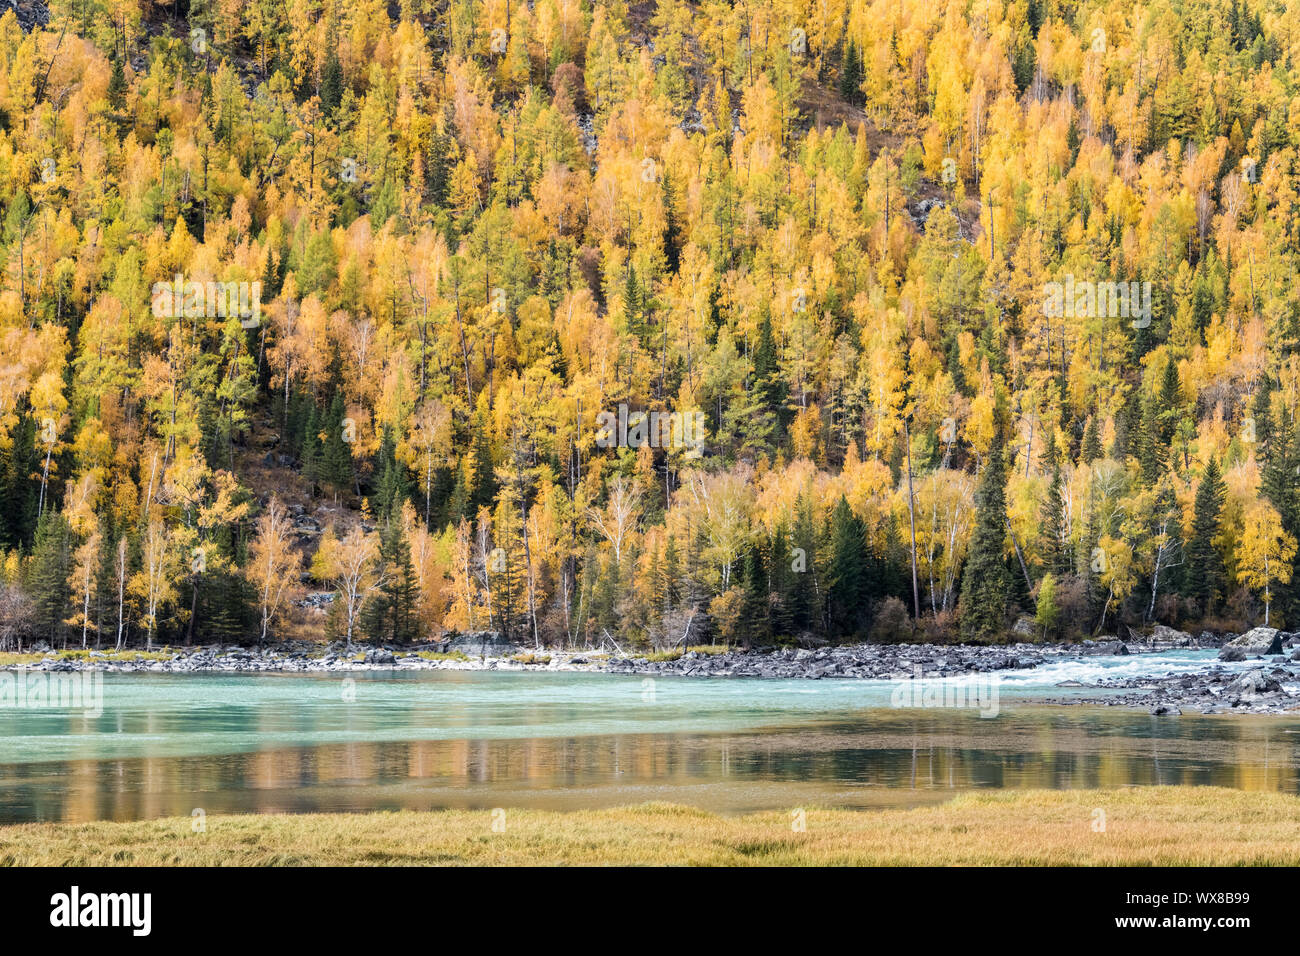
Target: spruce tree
[(484, 488), (1171, 402), (400, 589), (781, 580), (1151, 446), (767, 370), (47, 576), (756, 625), (1052, 522), (1091, 449), (851, 75), (1205, 571), (804, 613), (1262, 416), (392, 489), (336, 456), (458, 502), (19, 492), (848, 588), (117, 85), (331, 82), (986, 584)]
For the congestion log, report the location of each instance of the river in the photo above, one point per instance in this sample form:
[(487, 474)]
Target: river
[(167, 745)]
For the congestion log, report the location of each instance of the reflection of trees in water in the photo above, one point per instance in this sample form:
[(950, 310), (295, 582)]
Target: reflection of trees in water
[(883, 758)]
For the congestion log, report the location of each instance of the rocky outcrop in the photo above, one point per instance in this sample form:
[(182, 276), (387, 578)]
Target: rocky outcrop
[(1254, 643), (1025, 629), (1164, 636), (30, 13)]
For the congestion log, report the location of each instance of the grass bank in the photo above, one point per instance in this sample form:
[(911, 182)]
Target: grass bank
[(1143, 826)]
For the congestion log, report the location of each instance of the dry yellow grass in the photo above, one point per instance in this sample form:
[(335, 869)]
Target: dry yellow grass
[(1148, 826)]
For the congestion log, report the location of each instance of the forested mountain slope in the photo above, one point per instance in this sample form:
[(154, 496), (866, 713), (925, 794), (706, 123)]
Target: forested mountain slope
[(574, 317)]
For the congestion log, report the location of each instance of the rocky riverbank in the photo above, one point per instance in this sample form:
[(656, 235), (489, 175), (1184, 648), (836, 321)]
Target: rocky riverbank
[(1273, 686), (1268, 684), (864, 661)]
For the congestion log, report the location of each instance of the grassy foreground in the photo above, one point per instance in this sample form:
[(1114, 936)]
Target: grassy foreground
[(1156, 825)]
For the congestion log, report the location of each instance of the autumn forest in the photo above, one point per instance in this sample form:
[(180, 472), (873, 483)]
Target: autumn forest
[(661, 323)]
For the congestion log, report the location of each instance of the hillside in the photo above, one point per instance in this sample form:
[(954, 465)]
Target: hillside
[(762, 323)]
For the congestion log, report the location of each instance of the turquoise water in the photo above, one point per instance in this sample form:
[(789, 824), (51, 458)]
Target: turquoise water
[(168, 744)]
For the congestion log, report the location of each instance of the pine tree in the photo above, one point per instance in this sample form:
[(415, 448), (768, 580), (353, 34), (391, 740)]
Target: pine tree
[(985, 584), (400, 588), (1091, 449), (848, 589), (47, 576), (484, 489), (1151, 446), (1171, 402), (117, 86), (1205, 571), (851, 75), (438, 169), (458, 502), (767, 370), (393, 489), (1262, 415), (336, 456), (756, 625), (1054, 530), (19, 492), (781, 580), (331, 82), (633, 305), (804, 612)]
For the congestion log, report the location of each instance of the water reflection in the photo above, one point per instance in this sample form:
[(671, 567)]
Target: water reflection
[(875, 758)]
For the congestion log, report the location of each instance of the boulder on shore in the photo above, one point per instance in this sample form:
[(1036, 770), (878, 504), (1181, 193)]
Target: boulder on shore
[(1104, 647), (1255, 642), (1163, 634), (1252, 683)]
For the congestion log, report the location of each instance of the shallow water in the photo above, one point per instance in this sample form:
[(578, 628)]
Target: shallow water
[(169, 744)]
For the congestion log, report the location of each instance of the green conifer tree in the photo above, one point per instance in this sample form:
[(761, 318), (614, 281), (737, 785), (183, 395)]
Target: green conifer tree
[(986, 584), (1205, 571)]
